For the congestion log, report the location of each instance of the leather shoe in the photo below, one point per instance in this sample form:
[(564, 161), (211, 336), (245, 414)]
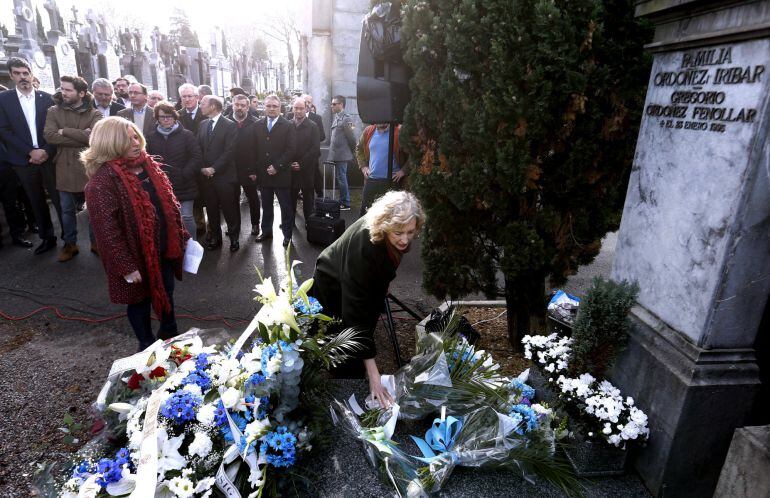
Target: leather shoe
[(20, 242), (254, 229), (46, 245), (234, 245), (215, 244), (68, 252), (286, 242), (264, 236)]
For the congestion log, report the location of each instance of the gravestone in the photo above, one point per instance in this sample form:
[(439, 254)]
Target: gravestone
[(66, 61), (140, 65), (26, 45), (158, 74), (109, 62), (694, 235)]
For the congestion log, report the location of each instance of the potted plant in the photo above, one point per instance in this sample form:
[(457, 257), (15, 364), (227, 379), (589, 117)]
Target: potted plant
[(602, 421)]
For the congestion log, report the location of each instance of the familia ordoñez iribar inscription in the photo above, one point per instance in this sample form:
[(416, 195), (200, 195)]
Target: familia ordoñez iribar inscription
[(701, 83)]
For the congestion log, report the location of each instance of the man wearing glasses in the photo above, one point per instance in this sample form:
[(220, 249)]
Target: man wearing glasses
[(342, 146), (139, 113)]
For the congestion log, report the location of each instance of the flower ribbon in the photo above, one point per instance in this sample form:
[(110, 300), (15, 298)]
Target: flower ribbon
[(440, 437)]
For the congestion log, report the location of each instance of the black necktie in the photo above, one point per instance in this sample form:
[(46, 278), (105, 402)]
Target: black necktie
[(210, 130)]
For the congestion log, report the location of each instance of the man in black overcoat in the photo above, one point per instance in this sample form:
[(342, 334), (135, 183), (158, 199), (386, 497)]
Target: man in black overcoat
[(246, 156), (276, 143), (217, 137), (303, 169)]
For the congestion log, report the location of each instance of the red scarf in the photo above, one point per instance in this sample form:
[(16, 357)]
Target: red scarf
[(144, 212)]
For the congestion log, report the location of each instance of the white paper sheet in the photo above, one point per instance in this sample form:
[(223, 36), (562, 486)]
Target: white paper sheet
[(193, 255)]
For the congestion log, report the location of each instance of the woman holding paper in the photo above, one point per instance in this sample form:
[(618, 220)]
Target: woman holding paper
[(353, 274), (137, 224)]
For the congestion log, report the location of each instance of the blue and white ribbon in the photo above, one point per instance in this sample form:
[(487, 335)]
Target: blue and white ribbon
[(439, 439)]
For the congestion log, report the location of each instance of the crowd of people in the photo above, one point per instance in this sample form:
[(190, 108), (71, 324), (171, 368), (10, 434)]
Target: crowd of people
[(266, 149), (146, 169)]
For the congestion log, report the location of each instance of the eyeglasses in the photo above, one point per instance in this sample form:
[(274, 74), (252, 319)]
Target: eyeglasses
[(336, 103), (163, 116)]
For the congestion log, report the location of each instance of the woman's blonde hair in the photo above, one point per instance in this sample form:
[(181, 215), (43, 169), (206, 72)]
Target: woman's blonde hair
[(391, 212), (108, 140)]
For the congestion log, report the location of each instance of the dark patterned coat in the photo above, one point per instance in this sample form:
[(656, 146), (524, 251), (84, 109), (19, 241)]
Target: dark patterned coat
[(117, 237)]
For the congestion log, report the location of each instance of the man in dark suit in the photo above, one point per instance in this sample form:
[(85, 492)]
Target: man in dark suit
[(218, 137), (303, 169), (246, 156), (22, 119), (190, 117), (276, 142), (102, 90), (139, 113)]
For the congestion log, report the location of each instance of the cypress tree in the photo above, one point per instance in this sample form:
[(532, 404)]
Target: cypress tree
[(523, 118)]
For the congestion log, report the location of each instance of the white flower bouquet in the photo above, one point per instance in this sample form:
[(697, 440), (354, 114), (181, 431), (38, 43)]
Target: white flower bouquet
[(198, 417), (595, 407)]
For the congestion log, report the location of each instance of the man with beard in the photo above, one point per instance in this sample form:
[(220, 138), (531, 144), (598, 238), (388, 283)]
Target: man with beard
[(68, 126), (121, 91), (303, 169), (23, 113), (276, 142), (246, 156)]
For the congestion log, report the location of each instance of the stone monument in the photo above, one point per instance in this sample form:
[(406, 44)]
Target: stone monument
[(64, 60), (25, 44), (694, 235)]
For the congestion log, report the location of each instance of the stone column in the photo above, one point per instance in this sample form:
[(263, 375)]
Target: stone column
[(695, 236)]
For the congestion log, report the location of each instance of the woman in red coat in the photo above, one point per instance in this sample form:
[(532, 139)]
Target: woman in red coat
[(137, 225)]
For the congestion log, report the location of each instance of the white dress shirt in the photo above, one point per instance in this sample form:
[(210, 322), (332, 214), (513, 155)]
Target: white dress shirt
[(139, 118), (28, 107)]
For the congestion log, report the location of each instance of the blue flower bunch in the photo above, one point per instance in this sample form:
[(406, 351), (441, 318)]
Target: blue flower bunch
[(198, 377), (315, 306), (180, 407), (526, 418), (111, 469), (273, 349), (526, 390), (220, 414), (279, 447), (255, 379), (202, 361), (462, 361), (240, 422)]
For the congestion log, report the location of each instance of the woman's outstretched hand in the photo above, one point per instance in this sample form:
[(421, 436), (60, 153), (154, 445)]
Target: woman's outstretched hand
[(379, 393)]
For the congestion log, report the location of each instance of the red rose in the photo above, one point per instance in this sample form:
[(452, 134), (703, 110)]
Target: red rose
[(134, 381), (158, 372)]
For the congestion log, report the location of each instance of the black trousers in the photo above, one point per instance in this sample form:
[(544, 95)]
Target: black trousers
[(284, 202), (139, 314), (308, 201), (36, 180), (253, 197), (8, 187), (222, 198), (374, 188)]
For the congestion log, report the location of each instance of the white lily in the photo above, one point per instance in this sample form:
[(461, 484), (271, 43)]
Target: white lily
[(169, 457), (266, 290), (124, 486), (121, 408)]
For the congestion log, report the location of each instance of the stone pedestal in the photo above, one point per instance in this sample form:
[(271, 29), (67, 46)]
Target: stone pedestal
[(695, 236), (745, 471)]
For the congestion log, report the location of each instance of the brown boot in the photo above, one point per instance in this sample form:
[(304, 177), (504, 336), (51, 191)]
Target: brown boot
[(68, 252)]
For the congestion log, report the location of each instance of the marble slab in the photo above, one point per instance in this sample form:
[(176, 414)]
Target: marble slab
[(682, 218)]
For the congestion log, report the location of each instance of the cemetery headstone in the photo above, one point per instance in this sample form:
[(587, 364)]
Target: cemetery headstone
[(694, 236)]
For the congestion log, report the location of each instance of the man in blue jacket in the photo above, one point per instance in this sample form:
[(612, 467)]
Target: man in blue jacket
[(22, 118)]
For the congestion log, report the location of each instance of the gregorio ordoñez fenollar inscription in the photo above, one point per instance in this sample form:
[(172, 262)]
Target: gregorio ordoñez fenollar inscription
[(701, 84)]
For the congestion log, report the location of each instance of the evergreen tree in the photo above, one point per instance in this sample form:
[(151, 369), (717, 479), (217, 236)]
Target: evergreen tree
[(524, 116), (181, 30)]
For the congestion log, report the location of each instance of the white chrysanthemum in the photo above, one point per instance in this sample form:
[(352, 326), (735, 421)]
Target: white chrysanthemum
[(231, 397), (181, 487), (201, 445), (221, 371), (193, 389), (256, 429), (206, 414)]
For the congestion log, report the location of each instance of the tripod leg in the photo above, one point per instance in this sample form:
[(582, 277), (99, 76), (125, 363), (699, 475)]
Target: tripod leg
[(404, 307), (392, 331)]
